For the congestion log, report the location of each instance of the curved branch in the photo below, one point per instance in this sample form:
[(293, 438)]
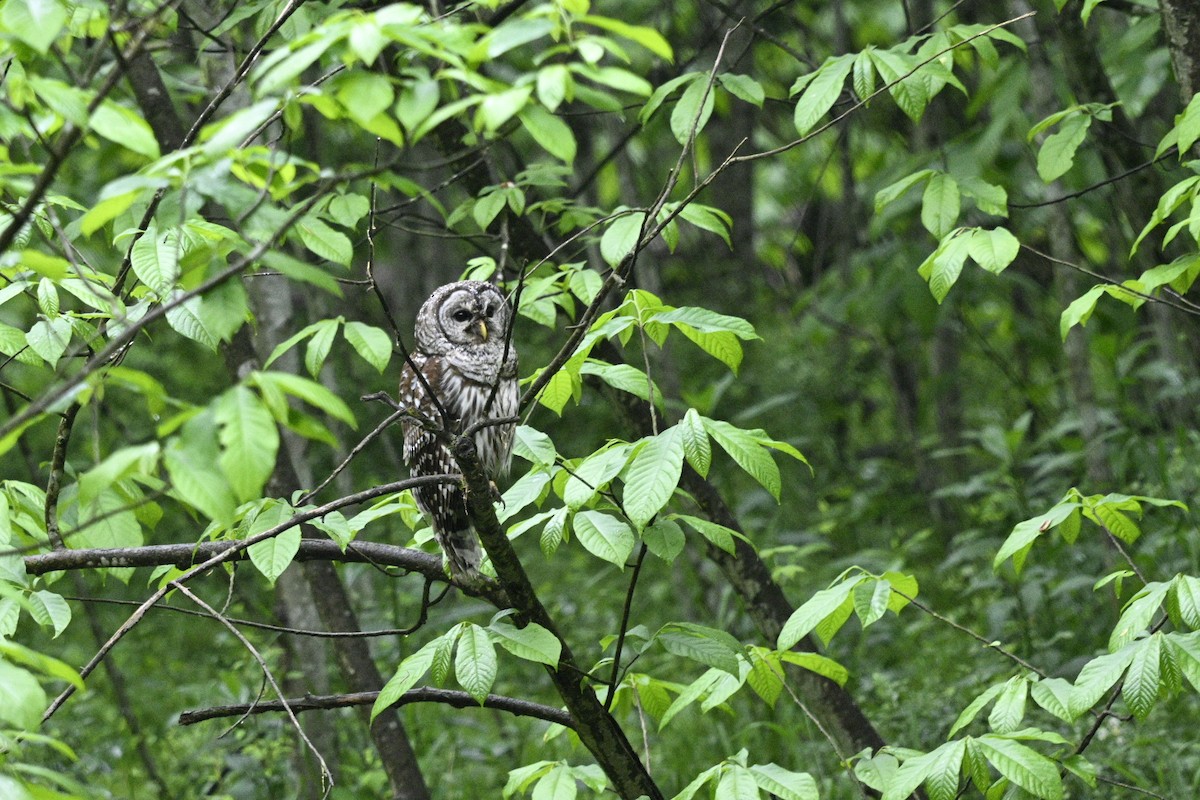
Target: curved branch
[(450, 697)]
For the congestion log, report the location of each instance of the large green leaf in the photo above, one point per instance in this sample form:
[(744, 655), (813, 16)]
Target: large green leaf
[(652, 475), (604, 536), (249, 441), (475, 662)]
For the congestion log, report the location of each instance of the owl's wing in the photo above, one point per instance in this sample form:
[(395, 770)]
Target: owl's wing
[(424, 454)]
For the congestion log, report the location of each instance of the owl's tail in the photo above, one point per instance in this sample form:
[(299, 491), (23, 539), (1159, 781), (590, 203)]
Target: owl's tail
[(462, 551)]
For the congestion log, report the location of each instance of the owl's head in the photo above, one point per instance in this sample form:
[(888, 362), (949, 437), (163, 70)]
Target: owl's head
[(466, 313)]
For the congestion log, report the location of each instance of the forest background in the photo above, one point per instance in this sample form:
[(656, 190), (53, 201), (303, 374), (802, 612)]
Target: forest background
[(859, 433)]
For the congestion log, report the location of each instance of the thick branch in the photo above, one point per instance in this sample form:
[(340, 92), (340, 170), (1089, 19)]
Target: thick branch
[(597, 729), (456, 699)]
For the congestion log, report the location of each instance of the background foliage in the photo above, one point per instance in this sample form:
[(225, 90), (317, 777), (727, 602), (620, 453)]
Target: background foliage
[(742, 238)]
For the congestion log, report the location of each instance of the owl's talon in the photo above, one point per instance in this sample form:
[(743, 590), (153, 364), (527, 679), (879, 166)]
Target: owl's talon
[(495, 492)]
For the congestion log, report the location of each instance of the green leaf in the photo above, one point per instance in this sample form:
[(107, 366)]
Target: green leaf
[(551, 133), (37, 23), (889, 194), (249, 441), (1096, 678), (22, 699), (534, 446), (940, 204), (1057, 153), (945, 764), (475, 662), (1143, 681), (309, 391), (1187, 126), (652, 476), (718, 535), (871, 598), (647, 37), (1009, 710), (993, 250), (1080, 310), (1053, 694), (709, 646), (706, 321), (325, 242), (821, 92), (497, 109), (1025, 767), (696, 446), (665, 539), (737, 783), (272, 556), (968, 714), (49, 610), (407, 674), (691, 113), (155, 259), (749, 454), (319, 345), (783, 783), (124, 127), (370, 342), (710, 219), (821, 665), (663, 92), (49, 339), (192, 460), (621, 237), (593, 474), (743, 87), (912, 773), (604, 536), (822, 604), (557, 784), (532, 643), (1138, 614)]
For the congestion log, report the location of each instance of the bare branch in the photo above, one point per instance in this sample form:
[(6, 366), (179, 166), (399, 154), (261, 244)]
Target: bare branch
[(450, 697)]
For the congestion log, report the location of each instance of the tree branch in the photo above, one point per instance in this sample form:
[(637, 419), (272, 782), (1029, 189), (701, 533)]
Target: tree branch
[(450, 697)]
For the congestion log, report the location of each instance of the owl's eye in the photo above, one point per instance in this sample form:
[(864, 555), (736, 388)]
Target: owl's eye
[(462, 315), (489, 311)]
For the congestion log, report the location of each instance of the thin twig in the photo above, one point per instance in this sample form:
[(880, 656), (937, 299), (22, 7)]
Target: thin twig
[(616, 667), (326, 775)]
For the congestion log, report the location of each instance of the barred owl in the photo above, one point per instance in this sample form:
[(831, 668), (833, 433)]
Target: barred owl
[(464, 352)]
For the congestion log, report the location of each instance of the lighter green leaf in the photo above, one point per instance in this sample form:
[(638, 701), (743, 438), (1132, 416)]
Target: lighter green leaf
[(1025, 767), (370, 342), (822, 604), (325, 242), (249, 441), (551, 133), (124, 127), (407, 674), (475, 662), (940, 204), (783, 783), (749, 454), (49, 610), (691, 113), (1057, 154), (604, 536), (621, 237), (821, 92), (993, 250), (652, 475), (532, 643), (1143, 681), (273, 555)]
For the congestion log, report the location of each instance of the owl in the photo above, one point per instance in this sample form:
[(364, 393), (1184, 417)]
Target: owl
[(464, 353)]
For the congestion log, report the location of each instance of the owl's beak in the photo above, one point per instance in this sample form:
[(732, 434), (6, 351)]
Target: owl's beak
[(483, 332)]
